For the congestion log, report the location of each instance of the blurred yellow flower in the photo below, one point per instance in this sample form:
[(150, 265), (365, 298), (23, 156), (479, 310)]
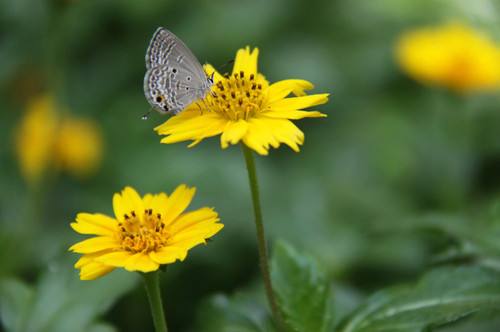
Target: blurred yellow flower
[(244, 106), (453, 55), (35, 138), (78, 146), (46, 139), (145, 233)]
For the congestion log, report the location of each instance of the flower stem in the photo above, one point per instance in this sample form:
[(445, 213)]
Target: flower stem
[(151, 281), (261, 237)]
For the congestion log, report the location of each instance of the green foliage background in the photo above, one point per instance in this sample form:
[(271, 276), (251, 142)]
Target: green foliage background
[(398, 179)]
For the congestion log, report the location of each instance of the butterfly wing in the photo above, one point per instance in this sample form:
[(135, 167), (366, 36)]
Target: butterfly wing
[(174, 77), (170, 90), (166, 49)]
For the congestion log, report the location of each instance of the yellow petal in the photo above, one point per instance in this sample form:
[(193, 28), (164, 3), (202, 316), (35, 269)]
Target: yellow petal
[(85, 259), (94, 270), (266, 132), (195, 143), (178, 201), (262, 80), (141, 262), (95, 244), (234, 131), (188, 120), (187, 126), (192, 218), (297, 103), (180, 118), (195, 136), (156, 202), (146, 200), (196, 226), (209, 70), (127, 202), (246, 61), (282, 89), (98, 224), (259, 136), (201, 231), (196, 233), (90, 269), (114, 258), (292, 114), (189, 243), (168, 255)]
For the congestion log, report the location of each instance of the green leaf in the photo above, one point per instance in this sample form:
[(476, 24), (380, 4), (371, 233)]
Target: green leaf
[(471, 240), (60, 301), (302, 290), (15, 299), (101, 327), (244, 311), (441, 297)]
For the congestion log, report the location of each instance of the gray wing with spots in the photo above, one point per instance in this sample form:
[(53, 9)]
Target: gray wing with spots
[(166, 49), (170, 90), (174, 77)]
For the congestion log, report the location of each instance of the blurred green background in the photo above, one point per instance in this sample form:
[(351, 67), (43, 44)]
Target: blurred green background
[(391, 156)]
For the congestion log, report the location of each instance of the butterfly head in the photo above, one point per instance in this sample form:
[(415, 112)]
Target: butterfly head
[(211, 79)]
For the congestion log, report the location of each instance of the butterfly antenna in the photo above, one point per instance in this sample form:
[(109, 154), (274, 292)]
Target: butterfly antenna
[(146, 116), (226, 64)]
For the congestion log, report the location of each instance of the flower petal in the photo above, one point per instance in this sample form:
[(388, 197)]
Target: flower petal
[(95, 244), (98, 224), (156, 202), (90, 269), (191, 125), (141, 262), (203, 232), (209, 70), (192, 218), (246, 61), (94, 270), (293, 114), (146, 200), (234, 131), (190, 243), (282, 89), (115, 258), (298, 103), (168, 255), (127, 202), (265, 132), (178, 201), (85, 259)]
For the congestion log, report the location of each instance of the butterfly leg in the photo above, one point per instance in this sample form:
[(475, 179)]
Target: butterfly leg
[(199, 107)]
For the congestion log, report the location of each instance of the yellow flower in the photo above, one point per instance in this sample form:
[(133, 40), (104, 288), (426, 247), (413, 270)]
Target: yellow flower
[(35, 138), (78, 146), (244, 106), (45, 139), (145, 233), (453, 55)]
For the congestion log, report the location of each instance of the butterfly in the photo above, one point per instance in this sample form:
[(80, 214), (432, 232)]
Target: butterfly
[(174, 77)]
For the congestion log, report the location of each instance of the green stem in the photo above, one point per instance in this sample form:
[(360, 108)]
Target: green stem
[(151, 280), (261, 237)]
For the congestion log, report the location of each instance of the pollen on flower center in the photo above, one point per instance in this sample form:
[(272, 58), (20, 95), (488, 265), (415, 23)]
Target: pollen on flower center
[(143, 236), (236, 97)]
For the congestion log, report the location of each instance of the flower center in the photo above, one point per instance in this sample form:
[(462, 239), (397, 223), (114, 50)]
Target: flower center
[(143, 236), (236, 97)]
